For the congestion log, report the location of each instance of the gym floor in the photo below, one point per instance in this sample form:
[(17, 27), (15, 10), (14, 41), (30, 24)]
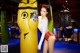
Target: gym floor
[(60, 46)]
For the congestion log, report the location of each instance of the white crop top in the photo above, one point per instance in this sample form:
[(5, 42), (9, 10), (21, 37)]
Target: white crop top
[(43, 24)]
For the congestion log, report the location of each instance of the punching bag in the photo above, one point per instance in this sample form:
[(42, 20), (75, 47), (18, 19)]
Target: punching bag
[(50, 24), (28, 21), (4, 35), (65, 19)]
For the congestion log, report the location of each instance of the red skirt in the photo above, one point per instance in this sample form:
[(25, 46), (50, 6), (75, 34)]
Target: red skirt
[(47, 35)]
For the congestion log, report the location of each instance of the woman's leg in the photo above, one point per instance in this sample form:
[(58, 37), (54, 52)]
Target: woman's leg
[(45, 49), (51, 41)]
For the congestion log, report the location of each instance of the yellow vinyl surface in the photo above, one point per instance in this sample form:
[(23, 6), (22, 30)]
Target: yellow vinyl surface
[(28, 22)]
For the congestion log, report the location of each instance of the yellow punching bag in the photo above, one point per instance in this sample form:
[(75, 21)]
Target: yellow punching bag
[(28, 21)]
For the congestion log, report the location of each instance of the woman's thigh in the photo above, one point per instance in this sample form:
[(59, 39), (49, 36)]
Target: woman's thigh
[(51, 41), (45, 48)]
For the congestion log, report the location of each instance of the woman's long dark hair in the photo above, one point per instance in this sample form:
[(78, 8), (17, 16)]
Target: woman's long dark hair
[(47, 7)]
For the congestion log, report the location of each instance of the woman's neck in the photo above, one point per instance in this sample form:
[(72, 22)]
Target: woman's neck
[(43, 17)]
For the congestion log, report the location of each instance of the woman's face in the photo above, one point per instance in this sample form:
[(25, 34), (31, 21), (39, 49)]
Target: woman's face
[(43, 11)]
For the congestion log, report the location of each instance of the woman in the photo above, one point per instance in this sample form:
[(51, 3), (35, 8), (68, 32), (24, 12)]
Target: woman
[(47, 36)]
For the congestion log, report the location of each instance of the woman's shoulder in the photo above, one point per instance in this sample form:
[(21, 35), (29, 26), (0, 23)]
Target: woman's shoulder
[(46, 19), (39, 16)]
